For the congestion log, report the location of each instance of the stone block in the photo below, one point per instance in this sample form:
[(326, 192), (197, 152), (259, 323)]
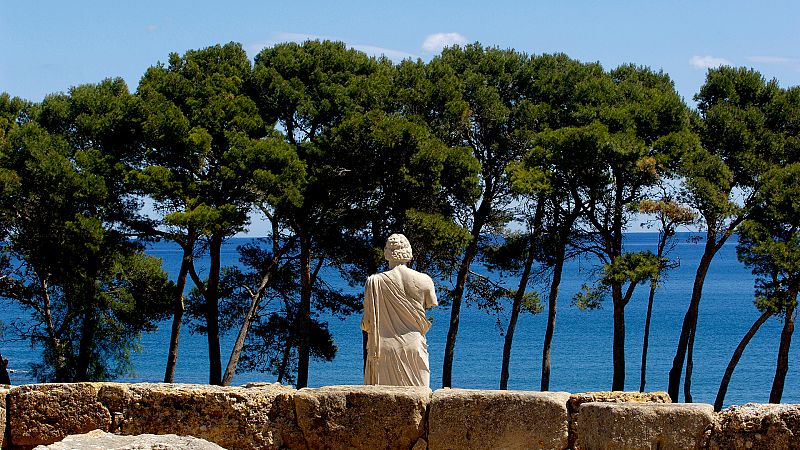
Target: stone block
[(470, 419), (5, 440), (632, 426), (362, 417), (576, 400), (757, 427), (46, 413), (99, 440), (233, 417)]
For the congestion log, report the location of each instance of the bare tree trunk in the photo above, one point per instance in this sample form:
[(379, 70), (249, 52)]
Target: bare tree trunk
[(618, 380), (667, 231), (304, 314), (737, 355), (230, 369), (646, 339), (689, 321), (687, 381), (212, 311), (458, 294), (255, 296), (179, 306), (783, 356), (512, 322), (552, 300)]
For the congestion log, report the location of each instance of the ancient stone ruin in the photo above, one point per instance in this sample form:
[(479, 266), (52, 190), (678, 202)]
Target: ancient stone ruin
[(267, 416)]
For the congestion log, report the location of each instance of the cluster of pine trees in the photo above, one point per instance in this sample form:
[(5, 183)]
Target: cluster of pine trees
[(336, 150)]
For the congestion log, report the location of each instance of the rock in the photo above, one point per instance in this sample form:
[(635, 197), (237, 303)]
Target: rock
[(757, 427), (633, 426), (362, 417), (469, 419), (100, 440), (4, 438), (421, 444), (233, 417), (46, 413), (576, 400)]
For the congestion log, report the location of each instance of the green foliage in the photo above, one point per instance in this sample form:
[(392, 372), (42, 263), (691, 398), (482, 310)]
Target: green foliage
[(671, 211), (632, 267), (209, 150), (90, 291), (589, 297), (740, 137), (470, 98), (769, 241)]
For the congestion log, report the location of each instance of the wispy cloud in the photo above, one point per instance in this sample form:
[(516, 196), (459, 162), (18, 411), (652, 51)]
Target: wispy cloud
[(283, 36), (152, 28), (779, 60), (394, 55), (373, 50), (434, 43), (707, 62)]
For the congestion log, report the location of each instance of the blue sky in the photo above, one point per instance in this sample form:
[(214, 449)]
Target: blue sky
[(47, 46)]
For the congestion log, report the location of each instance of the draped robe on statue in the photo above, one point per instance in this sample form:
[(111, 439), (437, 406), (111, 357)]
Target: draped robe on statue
[(394, 318)]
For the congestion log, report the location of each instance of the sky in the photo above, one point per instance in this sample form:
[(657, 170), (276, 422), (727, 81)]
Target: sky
[(47, 46)]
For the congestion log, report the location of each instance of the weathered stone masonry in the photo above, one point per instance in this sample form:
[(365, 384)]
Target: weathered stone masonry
[(266, 416)]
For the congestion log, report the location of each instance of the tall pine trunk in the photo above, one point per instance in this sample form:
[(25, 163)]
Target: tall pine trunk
[(737, 355), (687, 379), (515, 310), (646, 339), (255, 302), (212, 311), (233, 361), (552, 300), (304, 314), (615, 251), (618, 380), (690, 320), (664, 236), (458, 292), (783, 355), (178, 308)]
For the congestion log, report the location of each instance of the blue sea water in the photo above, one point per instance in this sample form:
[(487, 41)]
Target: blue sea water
[(581, 351)]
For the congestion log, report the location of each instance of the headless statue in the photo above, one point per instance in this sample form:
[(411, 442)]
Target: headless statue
[(395, 321)]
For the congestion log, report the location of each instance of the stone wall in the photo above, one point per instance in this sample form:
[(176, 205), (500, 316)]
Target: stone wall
[(266, 416)]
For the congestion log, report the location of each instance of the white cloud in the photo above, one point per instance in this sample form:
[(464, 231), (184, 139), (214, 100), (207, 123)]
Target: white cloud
[(152, 28), (708, 62), (436, 42), (282, 36), (372, 50), (394, 55), (299, 37)]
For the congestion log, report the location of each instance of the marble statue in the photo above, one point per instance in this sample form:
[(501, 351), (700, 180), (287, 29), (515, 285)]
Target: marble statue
[(394, 319)]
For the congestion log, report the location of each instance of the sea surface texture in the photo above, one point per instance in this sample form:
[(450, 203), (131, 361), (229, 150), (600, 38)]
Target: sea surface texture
[(581, 351)]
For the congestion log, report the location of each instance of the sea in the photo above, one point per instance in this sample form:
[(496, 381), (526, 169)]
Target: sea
[(581, 349)]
